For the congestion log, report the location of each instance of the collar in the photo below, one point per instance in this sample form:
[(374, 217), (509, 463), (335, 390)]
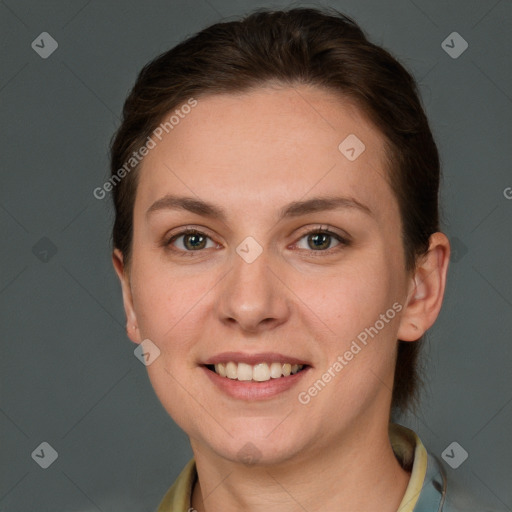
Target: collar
[(427, 486)]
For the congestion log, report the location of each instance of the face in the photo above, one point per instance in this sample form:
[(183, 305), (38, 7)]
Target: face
[(273, 273)]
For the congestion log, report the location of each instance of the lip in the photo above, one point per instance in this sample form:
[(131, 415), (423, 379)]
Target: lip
[(252, 359), (255, 391)]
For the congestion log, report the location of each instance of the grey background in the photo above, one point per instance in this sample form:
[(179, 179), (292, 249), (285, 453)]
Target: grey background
[(68, 373)]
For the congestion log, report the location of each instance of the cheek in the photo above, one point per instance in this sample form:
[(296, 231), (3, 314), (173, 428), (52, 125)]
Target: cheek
[(171, 312), (355, 296), (360, 347), (175, 310), (163, 301), (358, 310)]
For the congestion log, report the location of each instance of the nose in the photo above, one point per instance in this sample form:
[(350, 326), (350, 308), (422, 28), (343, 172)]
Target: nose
[(252, 297)]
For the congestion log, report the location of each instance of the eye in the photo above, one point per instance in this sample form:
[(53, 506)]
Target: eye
[(321, 239), (317, 240), (192, 240)]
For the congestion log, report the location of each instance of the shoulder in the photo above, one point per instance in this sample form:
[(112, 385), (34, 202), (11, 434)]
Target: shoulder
[(431, 488), (461, 499), (177, 497), (450, 495)]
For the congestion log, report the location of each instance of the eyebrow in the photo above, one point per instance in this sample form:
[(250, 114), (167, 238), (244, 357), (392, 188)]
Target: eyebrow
[(294, 209)]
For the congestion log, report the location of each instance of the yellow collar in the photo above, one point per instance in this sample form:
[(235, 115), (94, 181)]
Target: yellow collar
[(412, 454)]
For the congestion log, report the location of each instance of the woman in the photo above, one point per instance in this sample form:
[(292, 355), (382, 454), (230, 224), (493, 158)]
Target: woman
[(277, 240)]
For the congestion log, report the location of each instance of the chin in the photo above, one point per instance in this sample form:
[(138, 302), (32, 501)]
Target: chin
[(252, 447)]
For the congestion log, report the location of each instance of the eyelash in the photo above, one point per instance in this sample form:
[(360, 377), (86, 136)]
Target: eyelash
[(343, 242)]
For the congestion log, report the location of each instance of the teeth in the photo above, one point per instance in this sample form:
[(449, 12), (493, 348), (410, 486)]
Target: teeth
[(244, 371), (231, 370), (260, 372), (275, 370), (221, 369)]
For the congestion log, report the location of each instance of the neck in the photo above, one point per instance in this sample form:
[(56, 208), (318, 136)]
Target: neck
[(349, 474)]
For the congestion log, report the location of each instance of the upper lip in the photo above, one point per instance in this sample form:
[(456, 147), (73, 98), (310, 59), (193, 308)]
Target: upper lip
[(252, 359)]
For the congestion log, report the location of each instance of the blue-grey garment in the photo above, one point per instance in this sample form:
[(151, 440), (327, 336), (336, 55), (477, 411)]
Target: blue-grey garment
[(440, 495)]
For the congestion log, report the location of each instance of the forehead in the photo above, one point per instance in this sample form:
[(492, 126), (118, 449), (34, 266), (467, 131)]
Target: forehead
[(270, 145)]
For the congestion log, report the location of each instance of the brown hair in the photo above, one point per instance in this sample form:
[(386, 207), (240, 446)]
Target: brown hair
[(298, 46)]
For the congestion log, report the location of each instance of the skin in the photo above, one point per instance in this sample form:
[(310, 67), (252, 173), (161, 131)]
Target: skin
[(252, 154)]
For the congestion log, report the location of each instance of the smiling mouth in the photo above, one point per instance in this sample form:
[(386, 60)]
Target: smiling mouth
[(260, 372)]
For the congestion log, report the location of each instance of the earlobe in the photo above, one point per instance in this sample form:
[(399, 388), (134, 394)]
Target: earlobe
[(426, 290), (132, 329)]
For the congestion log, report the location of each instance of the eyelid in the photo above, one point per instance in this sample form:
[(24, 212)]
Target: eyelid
[(184, 230)]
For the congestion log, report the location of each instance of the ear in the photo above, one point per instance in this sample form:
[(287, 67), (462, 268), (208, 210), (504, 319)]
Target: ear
[(426, 290), (132, 328)]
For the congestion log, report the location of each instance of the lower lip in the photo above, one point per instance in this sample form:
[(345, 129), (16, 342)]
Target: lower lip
[(251, 390)]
